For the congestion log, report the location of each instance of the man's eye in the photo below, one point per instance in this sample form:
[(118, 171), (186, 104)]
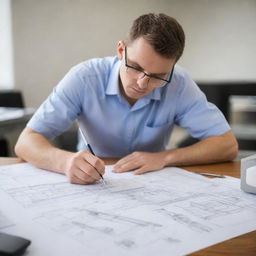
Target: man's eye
[(160, 77), (138, 69)]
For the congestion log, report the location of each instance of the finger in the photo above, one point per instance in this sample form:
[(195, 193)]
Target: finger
[(100, 166), (95, 162), (122, 162), (82, 175), (88, 169), (128, 166), (86, 161), (140, 171), (74, 179)]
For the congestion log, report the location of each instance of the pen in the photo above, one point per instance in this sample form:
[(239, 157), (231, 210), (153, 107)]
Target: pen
[(210, 174), (89, 147)]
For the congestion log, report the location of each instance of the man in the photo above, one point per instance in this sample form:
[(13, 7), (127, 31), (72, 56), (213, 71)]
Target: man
[(128, 105)]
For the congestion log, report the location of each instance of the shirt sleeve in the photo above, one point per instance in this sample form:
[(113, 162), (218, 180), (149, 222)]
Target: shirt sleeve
[(196, 115), (61, 108)]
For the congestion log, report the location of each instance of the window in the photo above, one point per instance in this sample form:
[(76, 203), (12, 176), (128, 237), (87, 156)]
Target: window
[(6, 47)]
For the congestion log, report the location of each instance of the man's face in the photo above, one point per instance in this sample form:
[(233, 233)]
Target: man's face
[(141, 56)]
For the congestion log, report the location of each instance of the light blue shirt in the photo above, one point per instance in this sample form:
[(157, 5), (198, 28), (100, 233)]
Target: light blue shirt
[(114, 128)]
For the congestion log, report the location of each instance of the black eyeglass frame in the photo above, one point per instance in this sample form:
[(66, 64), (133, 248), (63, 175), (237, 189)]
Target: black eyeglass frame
[(148, 75)]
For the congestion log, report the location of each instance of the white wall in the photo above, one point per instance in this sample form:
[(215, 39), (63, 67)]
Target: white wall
[(50, 36), (6, 58)]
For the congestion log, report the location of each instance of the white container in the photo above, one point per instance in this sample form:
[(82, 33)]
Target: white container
[(248, 174)]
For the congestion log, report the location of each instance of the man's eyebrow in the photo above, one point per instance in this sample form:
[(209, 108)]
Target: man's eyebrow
[(135, 64), (142, 69)]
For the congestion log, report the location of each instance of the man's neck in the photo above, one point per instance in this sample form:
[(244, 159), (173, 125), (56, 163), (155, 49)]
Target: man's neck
[(129, 100)]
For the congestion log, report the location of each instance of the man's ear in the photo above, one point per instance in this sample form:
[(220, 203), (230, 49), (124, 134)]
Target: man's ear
[(120, 49)]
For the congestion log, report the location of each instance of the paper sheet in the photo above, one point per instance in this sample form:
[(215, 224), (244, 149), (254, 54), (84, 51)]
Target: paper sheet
[(167, 212), (14, 113)]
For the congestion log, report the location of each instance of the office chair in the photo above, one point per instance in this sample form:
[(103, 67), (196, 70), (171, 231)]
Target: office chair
[(9, 98)]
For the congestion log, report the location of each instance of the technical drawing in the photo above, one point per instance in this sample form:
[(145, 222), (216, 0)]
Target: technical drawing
[(183, 219), (212, 206), (5, 222), (128, 244), (156, 213)]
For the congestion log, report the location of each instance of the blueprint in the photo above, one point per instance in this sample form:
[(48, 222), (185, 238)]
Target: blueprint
[(167, 212)]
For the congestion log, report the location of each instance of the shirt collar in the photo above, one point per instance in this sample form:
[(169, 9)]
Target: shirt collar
[(113, 81)]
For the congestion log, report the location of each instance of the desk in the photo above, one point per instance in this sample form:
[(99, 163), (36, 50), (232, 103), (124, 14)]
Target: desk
[(15, 117), (12, 122), (244, 245)]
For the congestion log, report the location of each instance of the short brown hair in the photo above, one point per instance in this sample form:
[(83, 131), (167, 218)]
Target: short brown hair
[(161, 31)]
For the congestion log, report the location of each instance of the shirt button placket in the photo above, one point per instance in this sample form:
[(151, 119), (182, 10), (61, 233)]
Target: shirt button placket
[(131, 127)]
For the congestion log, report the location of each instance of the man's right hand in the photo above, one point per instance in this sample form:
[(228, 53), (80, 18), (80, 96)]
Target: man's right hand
[(81, 167), (84, 168)]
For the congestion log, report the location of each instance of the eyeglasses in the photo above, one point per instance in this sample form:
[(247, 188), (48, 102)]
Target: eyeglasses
[(154, 81)]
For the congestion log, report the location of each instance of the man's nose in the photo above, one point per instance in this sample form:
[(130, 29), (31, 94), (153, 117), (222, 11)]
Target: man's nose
[(143, 82)]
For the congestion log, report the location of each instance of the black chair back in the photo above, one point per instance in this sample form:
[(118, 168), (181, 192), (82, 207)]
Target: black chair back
[(11, 98)]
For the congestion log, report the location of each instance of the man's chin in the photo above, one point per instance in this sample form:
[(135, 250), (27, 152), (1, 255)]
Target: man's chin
[(136, 96), (137, 93)]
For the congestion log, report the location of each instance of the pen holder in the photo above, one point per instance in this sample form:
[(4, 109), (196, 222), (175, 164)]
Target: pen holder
[(248, 174)]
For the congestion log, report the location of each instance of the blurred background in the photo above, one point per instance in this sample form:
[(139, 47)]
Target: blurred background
[(41, 40)]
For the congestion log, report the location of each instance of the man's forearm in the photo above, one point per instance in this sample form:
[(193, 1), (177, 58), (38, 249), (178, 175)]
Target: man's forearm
[(210, 150), (38, 151), (80, 168)]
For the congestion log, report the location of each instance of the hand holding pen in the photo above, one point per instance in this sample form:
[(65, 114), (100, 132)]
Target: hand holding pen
[(89, 147), (83, 167)]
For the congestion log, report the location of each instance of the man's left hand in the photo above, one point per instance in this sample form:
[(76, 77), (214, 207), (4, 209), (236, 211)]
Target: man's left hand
[(141, 162)]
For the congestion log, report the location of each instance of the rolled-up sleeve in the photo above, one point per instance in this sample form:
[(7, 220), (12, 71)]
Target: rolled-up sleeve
[(195, 114), (61, 108)]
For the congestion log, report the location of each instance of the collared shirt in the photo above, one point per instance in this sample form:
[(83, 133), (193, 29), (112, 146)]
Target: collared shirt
[(90, 91)]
